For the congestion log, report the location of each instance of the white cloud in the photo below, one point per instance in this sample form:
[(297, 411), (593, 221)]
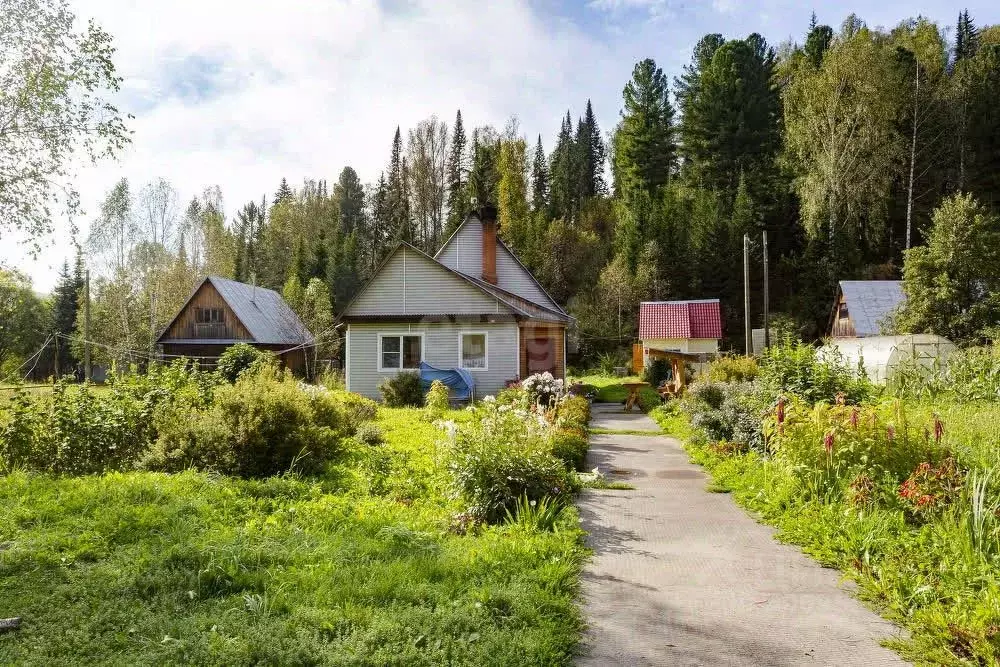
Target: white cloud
[(241, 96)]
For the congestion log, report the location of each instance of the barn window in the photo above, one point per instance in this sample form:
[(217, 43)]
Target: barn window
[(400, 352), (209, 315), (473, 347), (842, 315)]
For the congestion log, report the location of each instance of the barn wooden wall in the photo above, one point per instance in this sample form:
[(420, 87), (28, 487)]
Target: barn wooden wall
[(206, 297)]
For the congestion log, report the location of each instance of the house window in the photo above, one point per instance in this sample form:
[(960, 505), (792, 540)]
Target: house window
[(842, 315), (208, 315), (473, 351), (400, 352)]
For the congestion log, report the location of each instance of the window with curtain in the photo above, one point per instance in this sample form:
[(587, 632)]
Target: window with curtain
[(474, 351)]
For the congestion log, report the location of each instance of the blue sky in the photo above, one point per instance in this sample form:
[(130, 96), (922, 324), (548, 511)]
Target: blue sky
[(241, 97)]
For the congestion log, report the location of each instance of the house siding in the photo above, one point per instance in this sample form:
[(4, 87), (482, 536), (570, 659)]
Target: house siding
[(441, 349), (413, 284), (464, 253)]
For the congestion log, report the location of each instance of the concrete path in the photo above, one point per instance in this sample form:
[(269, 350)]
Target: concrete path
[(681, 576)]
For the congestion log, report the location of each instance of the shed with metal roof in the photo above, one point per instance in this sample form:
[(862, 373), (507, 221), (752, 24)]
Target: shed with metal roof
[(862, 307), (222, 312)]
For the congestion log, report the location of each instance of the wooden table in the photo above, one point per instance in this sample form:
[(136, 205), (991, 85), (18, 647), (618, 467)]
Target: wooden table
[(633, 393)]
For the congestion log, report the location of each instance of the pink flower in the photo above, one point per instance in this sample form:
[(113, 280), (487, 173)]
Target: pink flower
[(938, 429), (854, 418), (828, 442), (781, 410), (890, 433)]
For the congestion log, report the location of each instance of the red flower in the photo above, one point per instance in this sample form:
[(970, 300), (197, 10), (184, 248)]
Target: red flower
[(890, 433), (854, 418), (780, 415), (828, 442)]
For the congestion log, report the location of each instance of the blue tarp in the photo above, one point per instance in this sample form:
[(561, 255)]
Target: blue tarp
[(458, 380)]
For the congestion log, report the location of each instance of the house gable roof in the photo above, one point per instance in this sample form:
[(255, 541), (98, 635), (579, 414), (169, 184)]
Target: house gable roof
[(263, 312), (463, 252), (869, 302), (680, 319), (411, 283)]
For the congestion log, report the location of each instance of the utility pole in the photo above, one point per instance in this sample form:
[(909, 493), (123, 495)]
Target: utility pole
[(86, 327), (746, 293), (767, 331)]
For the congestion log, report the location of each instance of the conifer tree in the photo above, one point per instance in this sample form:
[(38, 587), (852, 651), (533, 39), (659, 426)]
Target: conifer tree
[(539, 179), (284, 193), (455, 178), (644, 142), (320, 258), (563, 173), (592, 154), (966, 37), (64, 310)]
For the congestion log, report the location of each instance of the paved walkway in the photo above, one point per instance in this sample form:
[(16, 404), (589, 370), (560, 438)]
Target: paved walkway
[(681, 576)]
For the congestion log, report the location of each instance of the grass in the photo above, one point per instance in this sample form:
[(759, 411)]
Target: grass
[(927, 577), (612, 390), (357, 567), (622, 431)]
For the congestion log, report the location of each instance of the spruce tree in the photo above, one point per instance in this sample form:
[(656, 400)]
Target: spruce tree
[(320, 258), (284, 193), (563, 173), (594, 155), (645, 149), (455, 178), (64, 309), (539, 179), (966, 37)]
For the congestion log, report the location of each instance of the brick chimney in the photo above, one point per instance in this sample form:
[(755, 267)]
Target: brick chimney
[(488, 216)]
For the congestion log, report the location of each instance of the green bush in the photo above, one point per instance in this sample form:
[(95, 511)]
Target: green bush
[(573, 412), (402, 390), (262, 425), (570, 446), (733, 369), (731, 412), (239, 358), (798, 369), (656, 372), (436, 402), (369, 434), (502, 456)]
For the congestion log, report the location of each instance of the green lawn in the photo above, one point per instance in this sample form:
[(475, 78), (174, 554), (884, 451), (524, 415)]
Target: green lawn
[(358, 567), (612, 390)]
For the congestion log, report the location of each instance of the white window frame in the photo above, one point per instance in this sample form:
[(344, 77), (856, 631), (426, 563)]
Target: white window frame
[(400, 336), (486, 349)]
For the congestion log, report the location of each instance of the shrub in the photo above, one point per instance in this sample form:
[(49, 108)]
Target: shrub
[(570, 446), (573, 412), (369, 434), (357, 409), (733, 369), (656, 372), (436, 402), (260, 426), (237, 359), (402, 390), (501, 456), (798, 369), (932, 487), (728, 411), (76, 431)]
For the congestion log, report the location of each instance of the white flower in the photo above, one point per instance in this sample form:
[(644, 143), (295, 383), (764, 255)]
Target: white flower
[(490, 399)]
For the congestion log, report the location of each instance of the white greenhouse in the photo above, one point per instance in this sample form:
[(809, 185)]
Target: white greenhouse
[(882, 355)]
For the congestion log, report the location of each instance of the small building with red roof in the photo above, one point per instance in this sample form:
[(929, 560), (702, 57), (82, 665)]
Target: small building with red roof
[(690, 327)]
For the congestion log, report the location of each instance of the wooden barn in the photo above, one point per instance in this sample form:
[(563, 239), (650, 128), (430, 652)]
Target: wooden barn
[(863, 306), (222, 312)]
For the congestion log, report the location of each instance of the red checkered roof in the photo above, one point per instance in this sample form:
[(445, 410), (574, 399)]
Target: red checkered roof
[(680, 319)]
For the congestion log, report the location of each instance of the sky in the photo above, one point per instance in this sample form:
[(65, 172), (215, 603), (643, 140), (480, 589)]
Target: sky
[(240, 95)]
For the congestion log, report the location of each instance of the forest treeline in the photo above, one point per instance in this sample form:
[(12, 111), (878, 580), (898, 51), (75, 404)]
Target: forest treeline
[(841, 147)]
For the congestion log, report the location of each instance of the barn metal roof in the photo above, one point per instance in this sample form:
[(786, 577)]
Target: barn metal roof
[(870, 301), (263, 312)]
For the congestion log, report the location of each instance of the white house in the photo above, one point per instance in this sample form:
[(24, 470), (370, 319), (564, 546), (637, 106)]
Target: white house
[(473, 306)]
